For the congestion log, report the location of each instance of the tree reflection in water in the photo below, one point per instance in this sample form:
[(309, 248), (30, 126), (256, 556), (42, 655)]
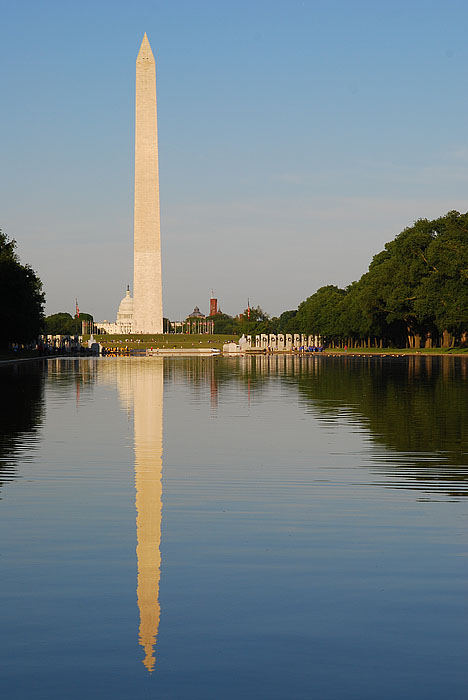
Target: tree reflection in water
[(21, 412), (413, 407)]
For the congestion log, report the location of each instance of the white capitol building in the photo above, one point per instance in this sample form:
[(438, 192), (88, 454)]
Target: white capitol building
[(124, 322)]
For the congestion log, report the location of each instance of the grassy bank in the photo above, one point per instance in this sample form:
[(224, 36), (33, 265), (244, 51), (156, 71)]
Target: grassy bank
[(171, 340)]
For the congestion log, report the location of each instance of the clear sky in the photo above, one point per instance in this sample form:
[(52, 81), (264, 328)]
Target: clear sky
[(296, 137)]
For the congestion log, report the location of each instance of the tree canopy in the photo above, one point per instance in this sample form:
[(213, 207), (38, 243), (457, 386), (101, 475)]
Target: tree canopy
[(63, 323), (416, 288), (21, 295)]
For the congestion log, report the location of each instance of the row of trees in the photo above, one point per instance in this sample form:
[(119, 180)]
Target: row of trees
[(254, 321), (414, 293)]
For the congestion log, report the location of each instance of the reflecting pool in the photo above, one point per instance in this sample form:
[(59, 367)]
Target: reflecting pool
[(215, 528)]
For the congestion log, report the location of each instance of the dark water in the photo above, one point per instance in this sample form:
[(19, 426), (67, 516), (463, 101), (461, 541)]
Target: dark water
[(297, 529)]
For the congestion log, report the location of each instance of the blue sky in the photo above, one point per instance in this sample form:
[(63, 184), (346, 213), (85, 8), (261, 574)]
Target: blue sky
[(295, 139)]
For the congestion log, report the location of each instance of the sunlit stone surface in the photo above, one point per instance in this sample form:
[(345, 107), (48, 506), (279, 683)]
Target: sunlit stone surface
[(147, 285)]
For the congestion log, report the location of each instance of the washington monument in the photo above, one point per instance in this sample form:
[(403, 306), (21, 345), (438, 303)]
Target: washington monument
[(147, 282)]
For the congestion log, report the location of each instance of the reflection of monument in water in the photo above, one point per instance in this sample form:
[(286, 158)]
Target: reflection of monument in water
[(148, 425), (140, 384)]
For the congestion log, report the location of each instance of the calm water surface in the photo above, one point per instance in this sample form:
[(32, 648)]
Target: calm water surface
[(278, 528)]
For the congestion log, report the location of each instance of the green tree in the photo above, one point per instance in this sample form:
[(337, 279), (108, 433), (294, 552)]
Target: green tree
[(321, 313), (393, 278), (442, 296), (63, 323), (253, 321), (22, 297), (225, 325), (286, 322)]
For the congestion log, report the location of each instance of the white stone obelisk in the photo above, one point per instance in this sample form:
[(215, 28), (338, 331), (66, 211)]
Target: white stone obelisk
[(147, 282)]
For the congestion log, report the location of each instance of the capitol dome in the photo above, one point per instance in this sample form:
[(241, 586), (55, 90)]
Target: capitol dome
[(125, 312)]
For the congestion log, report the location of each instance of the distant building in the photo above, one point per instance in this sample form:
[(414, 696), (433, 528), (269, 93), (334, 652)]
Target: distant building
[(124, 323), (196, 313), (213, 306), (125, 313)]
